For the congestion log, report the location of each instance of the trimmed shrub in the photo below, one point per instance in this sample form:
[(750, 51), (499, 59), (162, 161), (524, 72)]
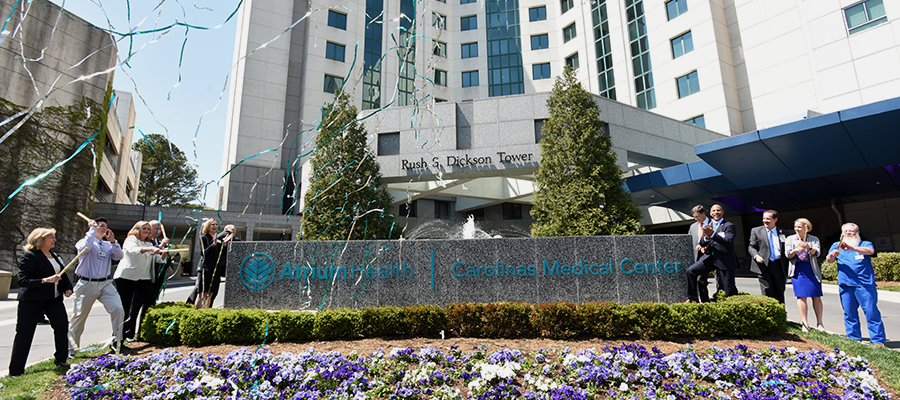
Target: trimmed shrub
[(244, 327), (650, 320), (335, 324), (505, 319), (887, 267), (557, 320), (200, 327), (162, 323), (292, 326), (381, 321), (695, 320), (425, 320), (605, 320), (829, 271), (466, 319), (751, 316)]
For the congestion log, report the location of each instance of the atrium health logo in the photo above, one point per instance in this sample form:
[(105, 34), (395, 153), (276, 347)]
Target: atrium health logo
[(257, 271)]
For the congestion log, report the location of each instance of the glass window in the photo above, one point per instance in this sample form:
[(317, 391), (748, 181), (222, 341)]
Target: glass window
[(566, 5), (439, 21), (699, 121), (512, 211), (468, 23), (540, 42), (682, 44), (409, 209), (334, 51), (437, 100), (569, 33), (688, 84), (572, 61), (333, 83), (441, 209), (537, 14), (541, 71), (443, 1), (440, 77), (675, 8), (466, 1), (337, 20), (388, 143), (440, 49), (469, 50), (865, 15), (469, 78)]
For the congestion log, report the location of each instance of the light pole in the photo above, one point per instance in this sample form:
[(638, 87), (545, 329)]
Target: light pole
[(147, 169)]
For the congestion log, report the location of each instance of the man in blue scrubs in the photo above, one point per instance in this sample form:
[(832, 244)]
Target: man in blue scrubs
[(856, 279)]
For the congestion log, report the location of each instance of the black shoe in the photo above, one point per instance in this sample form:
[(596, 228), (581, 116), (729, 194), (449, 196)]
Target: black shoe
[(43, 322), (61, 364)]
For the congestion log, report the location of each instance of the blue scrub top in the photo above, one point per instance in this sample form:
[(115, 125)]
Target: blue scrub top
[(854, 270)]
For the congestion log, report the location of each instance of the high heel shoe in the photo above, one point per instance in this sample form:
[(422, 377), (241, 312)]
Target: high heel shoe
[(820, 328), (804, 328)]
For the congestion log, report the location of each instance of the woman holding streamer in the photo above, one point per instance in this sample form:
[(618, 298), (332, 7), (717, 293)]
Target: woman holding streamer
[(804, 271), (214, 255), (43, 288), (134, 277)]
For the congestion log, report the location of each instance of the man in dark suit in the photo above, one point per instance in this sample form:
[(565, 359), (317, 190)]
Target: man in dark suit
[(766, 250), (700, 218), (717, 243)]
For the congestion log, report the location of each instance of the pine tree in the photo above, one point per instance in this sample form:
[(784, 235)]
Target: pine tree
[(345, 198), (581, 188)]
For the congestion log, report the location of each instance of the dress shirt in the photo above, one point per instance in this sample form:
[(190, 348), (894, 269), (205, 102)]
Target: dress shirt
[(774, 244), (97, 262)]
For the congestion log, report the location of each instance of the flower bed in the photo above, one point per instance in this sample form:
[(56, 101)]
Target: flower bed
[(627, 372)]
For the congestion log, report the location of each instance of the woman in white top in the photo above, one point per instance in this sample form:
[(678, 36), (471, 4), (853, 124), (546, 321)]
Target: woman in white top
[(135, 273)]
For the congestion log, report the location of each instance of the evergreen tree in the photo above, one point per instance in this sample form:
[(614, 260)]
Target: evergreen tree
[(581, 190), (345, 198), (167, 178)]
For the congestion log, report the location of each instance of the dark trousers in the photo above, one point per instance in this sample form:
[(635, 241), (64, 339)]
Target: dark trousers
[(137, 296), (210, 283), (772, 281), (700, 270), (27, 317)]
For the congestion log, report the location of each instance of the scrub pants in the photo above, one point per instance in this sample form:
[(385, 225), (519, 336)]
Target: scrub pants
[(854, 297)]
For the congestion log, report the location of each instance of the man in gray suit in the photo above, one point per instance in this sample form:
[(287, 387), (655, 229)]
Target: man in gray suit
[(701, 220), (766, 250)]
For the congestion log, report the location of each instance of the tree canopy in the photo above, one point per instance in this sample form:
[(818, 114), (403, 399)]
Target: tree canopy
[(167, 178), (581, 190), (345, 198)]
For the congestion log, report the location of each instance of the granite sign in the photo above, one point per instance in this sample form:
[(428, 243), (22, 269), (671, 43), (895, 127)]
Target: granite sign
[(328, 274)]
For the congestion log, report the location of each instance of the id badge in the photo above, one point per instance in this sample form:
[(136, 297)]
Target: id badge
[(781, 238), (860, 256), (101, 255)]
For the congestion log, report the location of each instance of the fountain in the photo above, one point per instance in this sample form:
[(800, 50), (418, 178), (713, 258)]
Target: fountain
[(446, 229)]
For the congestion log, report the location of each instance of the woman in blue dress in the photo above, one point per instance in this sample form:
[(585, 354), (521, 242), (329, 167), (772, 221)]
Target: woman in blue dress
[(806, 275)]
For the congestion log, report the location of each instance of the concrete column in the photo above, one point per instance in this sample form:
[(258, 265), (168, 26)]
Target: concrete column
[(250, 227)]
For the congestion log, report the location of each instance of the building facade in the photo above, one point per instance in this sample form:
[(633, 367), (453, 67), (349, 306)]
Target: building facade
[(120, 169), (729, 66)]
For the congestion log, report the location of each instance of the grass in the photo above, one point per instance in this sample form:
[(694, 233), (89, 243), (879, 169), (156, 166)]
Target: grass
[(32, 385), (892, 288), (885, 361), (38, 378)]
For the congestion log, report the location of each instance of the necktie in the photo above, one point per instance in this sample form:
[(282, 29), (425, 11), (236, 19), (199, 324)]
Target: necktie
[(773, 246)]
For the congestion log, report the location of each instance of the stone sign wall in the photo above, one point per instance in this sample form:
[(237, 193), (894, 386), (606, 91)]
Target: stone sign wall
[(356, 274)]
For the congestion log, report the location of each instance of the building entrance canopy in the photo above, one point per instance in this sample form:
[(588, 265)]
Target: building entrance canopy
[(850, 155)]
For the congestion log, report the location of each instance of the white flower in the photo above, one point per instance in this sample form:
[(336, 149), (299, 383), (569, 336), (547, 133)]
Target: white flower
[(623, 387)]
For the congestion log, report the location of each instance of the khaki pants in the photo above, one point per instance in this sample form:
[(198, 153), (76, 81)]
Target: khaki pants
[(86, 292)]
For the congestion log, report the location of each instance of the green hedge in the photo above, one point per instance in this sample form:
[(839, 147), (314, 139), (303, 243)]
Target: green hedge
[(738, 316), (886, 265)]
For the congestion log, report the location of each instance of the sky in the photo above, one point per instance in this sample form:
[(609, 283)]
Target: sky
[(153, 71)]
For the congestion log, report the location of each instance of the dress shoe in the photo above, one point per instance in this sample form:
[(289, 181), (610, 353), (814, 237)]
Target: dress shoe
[(879, 344), (61, 364)]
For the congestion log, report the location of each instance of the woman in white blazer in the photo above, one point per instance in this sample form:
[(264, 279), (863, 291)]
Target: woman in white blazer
[(134, 276), (802, 250)]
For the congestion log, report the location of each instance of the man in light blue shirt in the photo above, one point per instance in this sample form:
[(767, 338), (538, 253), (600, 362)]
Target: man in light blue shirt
[(94, 268)]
